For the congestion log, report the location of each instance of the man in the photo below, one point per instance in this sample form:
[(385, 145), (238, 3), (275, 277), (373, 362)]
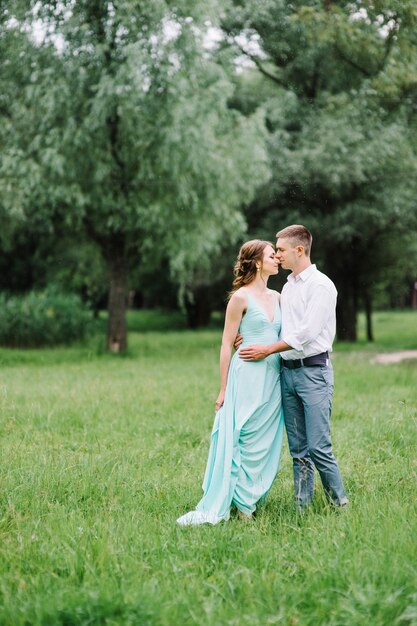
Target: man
[(308, 305)]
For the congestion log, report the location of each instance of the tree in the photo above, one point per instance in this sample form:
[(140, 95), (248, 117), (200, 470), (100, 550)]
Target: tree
[(342, 154), (134, 140), (15, 164)]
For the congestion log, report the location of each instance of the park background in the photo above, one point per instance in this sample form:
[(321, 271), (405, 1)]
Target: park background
[(141, 144)]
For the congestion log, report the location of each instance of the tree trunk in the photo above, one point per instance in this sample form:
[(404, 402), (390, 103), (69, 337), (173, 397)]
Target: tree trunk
[(198, 308), (346, 313), (117, 268), (413, 297), (368, 313)]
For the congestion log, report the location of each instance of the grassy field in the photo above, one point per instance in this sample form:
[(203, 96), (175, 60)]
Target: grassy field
[(101, 453)]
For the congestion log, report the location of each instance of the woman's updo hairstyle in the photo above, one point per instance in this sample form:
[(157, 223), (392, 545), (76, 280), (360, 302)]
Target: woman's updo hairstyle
[(250, 254)]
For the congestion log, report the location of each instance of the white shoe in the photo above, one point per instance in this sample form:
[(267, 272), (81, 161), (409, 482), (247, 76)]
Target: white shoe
[(195, 518)]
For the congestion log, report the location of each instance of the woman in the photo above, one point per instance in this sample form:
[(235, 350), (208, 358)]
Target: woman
[(247, 434)]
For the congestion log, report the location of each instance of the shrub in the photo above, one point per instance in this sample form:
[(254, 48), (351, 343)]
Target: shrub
[(42, 319)]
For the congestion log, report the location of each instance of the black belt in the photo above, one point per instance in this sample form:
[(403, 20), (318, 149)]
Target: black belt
[(309, 361)]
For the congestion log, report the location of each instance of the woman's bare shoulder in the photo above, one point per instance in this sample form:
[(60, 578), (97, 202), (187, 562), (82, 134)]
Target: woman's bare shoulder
[(239, 298)]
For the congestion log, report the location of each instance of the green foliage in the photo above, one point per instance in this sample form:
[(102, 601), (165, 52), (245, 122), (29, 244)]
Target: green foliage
[(342, 126), (152, 144), (42, 319), (76, 265), (132, 138)]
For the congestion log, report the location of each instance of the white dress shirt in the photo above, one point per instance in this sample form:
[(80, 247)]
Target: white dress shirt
[(308, 306)]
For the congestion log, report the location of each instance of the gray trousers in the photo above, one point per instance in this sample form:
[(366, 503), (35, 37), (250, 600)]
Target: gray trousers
[(307, 403)]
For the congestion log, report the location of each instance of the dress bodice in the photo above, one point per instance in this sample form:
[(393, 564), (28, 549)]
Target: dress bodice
[(255, 326)]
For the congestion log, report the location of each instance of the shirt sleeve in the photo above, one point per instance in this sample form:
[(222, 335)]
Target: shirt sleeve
[(320, 306)]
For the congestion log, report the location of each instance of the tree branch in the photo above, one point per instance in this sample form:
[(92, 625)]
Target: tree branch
[(313, 88), (353, 63), (389, 43), (113, 123), (388, 47), (259, 65)]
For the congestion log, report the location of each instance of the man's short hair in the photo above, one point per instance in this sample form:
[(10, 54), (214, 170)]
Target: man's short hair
[(298, 236)]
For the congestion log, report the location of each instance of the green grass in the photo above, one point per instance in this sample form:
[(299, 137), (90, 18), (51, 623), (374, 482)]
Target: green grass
[(101, 453)]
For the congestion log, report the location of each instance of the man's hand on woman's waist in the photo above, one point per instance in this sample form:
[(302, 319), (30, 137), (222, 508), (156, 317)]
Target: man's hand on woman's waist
[(257, 353)]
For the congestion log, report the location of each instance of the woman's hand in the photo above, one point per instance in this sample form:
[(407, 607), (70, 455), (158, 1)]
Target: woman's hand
[(220, 400)]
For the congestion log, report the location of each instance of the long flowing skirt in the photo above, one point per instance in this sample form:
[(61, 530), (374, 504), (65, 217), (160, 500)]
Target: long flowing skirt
[(246, 443)]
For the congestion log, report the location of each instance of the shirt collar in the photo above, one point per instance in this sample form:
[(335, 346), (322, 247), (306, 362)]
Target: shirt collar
[(304, 275)]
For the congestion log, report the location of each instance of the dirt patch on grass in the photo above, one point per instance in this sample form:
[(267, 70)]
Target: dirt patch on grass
[(395, 357)]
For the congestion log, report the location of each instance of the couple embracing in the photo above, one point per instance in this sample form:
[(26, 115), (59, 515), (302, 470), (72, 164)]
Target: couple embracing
[(280, 373)]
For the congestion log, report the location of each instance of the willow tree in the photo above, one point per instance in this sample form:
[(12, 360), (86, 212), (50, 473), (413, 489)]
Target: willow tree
[(135, 140), (18, 171)]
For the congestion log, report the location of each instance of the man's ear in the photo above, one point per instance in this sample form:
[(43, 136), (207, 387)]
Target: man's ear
[(300, 250)]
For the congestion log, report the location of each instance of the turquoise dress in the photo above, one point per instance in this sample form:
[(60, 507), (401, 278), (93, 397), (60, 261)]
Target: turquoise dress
[(247, 434)]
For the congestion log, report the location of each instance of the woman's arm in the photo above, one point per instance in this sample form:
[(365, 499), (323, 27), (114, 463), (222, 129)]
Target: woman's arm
[(234, 313)]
